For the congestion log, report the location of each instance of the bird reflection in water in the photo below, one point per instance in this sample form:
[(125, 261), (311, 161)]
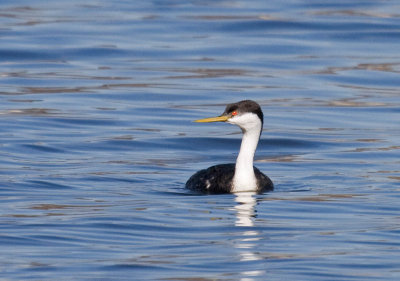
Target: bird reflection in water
[(249, 239)]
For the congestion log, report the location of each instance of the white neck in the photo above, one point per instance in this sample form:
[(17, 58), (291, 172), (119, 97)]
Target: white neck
[(244, 178)]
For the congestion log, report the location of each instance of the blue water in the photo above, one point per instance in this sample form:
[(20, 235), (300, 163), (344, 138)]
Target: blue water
[(97, 140)]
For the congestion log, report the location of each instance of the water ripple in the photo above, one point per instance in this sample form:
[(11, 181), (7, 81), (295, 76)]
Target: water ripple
[(97, 139)]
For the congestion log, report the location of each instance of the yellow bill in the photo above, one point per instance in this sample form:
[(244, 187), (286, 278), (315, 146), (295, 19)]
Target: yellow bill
[(213, 119)]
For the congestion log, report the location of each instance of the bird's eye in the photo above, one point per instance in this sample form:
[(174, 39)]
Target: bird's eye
[(234, 113)]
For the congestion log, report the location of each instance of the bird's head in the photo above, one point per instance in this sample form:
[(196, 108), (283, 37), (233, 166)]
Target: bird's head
[(246, 114)]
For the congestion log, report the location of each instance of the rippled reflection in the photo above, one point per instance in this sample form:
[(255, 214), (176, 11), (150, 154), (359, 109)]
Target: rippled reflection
[(244, 208), (249, 239)]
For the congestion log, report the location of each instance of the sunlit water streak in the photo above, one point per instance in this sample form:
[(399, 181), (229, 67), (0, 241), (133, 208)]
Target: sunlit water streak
[(97, 140)]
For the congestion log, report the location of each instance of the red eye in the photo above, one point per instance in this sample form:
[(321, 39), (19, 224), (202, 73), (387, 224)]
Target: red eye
[(234, 113)]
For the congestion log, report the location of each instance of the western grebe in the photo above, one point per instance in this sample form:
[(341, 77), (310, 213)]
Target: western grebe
[(242, 176)]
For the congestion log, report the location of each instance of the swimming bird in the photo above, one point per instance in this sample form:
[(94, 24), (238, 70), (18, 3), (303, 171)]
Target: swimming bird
[(242, 176)]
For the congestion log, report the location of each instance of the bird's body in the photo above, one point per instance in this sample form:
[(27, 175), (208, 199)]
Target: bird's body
[(241, 176), (219, 179)]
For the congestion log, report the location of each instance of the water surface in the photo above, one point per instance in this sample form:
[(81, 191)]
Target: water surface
[(97, 140)]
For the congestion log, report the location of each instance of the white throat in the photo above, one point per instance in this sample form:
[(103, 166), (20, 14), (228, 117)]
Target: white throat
[(244, 178)]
